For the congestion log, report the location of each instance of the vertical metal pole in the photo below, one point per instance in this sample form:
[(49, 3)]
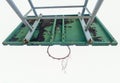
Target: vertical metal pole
[(31, 4), (97, 6), (85, 4), (14, 7)]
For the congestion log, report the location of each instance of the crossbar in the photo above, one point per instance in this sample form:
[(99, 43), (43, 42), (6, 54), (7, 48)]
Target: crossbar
[(47, 7)]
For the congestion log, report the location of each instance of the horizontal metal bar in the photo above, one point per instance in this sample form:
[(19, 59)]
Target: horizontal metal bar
[(58, 17), (74, 6)]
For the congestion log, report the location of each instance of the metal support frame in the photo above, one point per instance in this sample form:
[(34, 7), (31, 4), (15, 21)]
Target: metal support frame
[(85, 4), (30, 33), (14, 7), (80, 16), (87, 33), (33, 8), (97, 6)]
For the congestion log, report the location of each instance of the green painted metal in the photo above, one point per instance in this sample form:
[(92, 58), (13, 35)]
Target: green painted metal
[(61, 32)]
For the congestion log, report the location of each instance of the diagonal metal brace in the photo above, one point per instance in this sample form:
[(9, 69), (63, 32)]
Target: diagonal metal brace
[(87, 33), (97, 7), (30, 33), (33, 8), (14, 7)]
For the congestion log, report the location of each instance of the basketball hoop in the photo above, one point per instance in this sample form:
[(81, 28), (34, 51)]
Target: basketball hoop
[(58, 58)]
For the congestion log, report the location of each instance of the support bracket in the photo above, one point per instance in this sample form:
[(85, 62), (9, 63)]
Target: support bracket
[(87, 33), (30, 33)]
